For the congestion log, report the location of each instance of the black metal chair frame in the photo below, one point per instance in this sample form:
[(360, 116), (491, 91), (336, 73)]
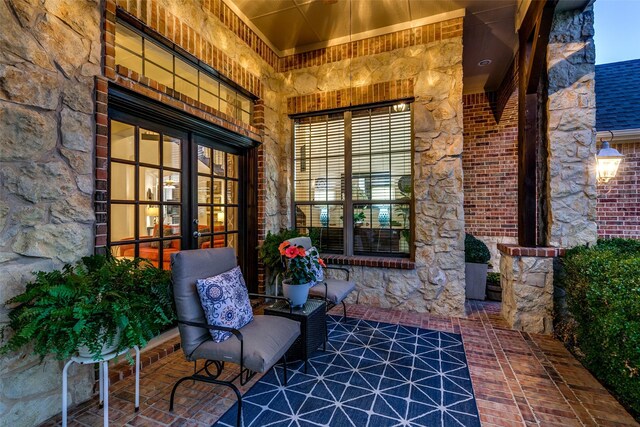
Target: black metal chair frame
[(330, 304), (245, 375)]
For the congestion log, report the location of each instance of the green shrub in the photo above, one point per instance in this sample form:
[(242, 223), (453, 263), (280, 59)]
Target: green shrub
[(87, 303), (269, 253), (493, 279), (603, 295), (475, 250)]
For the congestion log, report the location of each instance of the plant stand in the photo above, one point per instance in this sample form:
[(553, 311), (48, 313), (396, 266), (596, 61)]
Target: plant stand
[(104, 381)]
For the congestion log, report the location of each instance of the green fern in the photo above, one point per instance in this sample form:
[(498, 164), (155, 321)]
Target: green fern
[(87, 303)]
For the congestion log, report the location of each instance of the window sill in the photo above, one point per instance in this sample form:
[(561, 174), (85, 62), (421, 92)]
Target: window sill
[(369, 261)]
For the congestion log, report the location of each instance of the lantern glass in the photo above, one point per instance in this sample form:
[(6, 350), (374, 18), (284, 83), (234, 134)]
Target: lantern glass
[(607, 168)]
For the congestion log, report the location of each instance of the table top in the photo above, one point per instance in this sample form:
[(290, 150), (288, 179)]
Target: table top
[(311, 306)]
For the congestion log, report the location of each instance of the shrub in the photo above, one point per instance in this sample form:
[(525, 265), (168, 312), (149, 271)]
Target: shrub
[(493, 279), (475, 250), (603, 295), (87, 303), (269, 253)]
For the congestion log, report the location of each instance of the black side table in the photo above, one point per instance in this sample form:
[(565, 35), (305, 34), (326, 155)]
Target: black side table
[(313, 326)]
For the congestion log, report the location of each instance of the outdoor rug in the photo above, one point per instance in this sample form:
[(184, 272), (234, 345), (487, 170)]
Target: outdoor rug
[(372, 374)]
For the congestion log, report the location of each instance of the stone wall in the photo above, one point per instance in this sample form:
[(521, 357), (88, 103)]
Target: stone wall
[(571, 130), (437, 284), (49, 54), (527, 292)]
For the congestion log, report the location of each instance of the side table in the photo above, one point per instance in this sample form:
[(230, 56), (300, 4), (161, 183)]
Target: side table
[(313, 327), (103, 370)]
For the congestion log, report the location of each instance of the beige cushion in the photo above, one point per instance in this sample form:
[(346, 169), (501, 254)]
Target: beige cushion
[(337, 290)]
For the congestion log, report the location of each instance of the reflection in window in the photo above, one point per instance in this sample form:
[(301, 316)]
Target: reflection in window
[(146, 57), (379, 181)]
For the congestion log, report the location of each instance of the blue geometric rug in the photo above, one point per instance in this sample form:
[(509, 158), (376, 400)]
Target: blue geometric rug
[(372, 374)]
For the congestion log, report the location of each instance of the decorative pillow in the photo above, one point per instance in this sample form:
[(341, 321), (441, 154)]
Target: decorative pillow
[(225, 301), (316, 268), (156, 233)]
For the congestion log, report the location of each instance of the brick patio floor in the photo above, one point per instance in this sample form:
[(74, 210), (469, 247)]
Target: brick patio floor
[(518, 379)]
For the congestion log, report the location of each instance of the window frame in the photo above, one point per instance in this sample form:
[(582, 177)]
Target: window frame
[(348, 202), (148, 36)]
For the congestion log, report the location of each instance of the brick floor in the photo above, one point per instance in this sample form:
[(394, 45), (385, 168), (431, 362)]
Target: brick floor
[(518, 379)]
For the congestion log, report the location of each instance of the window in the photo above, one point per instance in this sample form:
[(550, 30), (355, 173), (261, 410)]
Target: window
[(148, 58), (353, 180)]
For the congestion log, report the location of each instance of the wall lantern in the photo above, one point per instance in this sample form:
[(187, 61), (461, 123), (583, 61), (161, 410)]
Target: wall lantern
[(607, 162)]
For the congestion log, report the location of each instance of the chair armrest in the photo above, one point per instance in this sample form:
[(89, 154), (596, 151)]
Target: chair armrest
[(234, 331), (338, 268), (274, 297)]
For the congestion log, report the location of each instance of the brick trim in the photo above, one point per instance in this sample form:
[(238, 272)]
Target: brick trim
[(341, 98), (516, 250), (369, 261), (429, 33)]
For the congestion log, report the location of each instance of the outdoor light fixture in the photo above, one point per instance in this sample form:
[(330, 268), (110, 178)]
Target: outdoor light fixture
[(607, 162)]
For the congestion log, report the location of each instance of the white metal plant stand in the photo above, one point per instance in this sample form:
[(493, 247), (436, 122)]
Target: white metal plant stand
[(104, 381)]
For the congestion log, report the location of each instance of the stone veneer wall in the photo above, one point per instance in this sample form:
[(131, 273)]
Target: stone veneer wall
[(490, 164), (49, 54), (571, 130), (437, 283)]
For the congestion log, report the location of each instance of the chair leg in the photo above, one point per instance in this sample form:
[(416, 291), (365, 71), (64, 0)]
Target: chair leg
[(210, 381), (344, 310)]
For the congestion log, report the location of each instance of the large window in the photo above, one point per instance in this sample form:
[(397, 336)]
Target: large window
[(353, 180), (148, 58)]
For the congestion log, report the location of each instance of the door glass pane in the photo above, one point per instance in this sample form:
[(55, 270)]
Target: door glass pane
[(219, 165), (148, 218), (171, 186), (122, 222), (171, 218), (218, 218), (204, 219), (232, 192), (232, 241), (122, 141), (204, 189), (149, 181), (171, 154), (122, 181), (232, 166), (231, 218), (218, 191), (204, 159), (149, 147)]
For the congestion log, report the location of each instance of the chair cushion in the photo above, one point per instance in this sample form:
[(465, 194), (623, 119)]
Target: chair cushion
[(225, 301), (337, 290), (265, 339), (315, 267)]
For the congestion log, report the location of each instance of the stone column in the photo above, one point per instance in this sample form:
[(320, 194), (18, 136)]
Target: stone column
[(571, 130), (526, 277)]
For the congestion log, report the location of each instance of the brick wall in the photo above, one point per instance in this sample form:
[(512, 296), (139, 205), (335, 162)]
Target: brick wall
[(490, 165), (618, 205)]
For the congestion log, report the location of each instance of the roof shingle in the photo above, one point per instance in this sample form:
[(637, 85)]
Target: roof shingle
[(618, 95)]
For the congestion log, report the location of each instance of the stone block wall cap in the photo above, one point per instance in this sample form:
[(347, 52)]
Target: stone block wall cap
[(541, 252)]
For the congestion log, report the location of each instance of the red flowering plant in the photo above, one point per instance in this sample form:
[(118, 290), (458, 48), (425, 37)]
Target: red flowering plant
[(302, 265)]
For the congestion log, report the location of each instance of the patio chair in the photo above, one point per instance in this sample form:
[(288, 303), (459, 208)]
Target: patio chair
[(256, 347), (334, 291)]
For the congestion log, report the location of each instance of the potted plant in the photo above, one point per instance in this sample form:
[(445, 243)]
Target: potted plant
[(270, 255), (494, 289), (476, 256), (101, 303), (301, 272)]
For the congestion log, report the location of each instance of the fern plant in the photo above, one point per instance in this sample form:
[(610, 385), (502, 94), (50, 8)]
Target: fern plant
[(87, 304), (269, 253)]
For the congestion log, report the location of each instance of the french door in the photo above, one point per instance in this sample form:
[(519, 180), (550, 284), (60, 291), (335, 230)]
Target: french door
[(172, 189)]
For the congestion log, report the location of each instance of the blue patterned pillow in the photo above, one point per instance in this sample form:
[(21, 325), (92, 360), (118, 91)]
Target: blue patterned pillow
[(317, 269), (225, 302)]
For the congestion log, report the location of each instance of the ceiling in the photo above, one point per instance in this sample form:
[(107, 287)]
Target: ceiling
[(291, 26)]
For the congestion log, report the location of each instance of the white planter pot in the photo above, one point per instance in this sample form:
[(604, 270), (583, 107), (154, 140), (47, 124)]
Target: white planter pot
[(297, 294), (107, 347), (475, 280)]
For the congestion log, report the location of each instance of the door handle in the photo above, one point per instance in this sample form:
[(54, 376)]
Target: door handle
[(196, 234)]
